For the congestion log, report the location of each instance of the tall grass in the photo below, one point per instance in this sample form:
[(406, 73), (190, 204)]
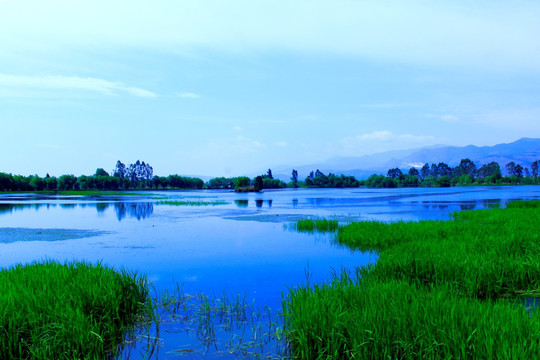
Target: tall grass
[(439, 290), (67, 311)]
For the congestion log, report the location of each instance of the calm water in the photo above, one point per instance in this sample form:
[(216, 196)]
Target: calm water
[(243, 247)]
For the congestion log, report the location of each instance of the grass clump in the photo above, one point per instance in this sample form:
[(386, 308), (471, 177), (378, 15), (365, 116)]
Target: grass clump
[(192, 203), (67, 311), (316, 225), (439, 290)]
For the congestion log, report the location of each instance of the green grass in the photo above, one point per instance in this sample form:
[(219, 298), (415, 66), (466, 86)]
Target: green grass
[(98, 192), (192, 203), (67, 311), (439, 290), (316, 225)]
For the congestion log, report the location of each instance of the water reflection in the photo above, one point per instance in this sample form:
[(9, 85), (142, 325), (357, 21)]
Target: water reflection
[(241, 203), (138, 210)]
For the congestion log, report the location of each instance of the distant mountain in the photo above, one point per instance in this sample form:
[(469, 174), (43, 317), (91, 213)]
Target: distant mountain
[(523, 151)]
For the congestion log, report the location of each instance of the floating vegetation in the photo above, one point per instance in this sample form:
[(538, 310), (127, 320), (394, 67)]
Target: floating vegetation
[(316, 225), (68, 311), (439, 290), (192, 203)]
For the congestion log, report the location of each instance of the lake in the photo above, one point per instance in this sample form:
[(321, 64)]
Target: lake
[(246, 246)]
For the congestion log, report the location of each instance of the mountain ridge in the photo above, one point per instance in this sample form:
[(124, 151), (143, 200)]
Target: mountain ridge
[(522, 151)]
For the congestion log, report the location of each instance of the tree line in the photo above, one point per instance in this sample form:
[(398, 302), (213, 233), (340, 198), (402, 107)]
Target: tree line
[(466, 173), (140, 176), (137, 176)]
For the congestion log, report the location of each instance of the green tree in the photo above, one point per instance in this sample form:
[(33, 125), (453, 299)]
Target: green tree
[(101, 172), (258, 183), (414, 172), (394, 173), (241, 182)]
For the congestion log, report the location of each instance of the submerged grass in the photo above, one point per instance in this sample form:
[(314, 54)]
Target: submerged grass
[(228, 324), (68, 311), (439, 290)]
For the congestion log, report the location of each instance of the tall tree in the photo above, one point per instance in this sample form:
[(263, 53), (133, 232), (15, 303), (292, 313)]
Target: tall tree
[(414, 172), (269, 174), (425, 171), (510, 168), (465, 167), (394, 173), (120, 170), (534, 168)]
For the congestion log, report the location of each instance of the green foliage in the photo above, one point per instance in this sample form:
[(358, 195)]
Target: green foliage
[(241, 182), (70, 311), (439, 290), (268, 183), (320, 180), (220, 183)]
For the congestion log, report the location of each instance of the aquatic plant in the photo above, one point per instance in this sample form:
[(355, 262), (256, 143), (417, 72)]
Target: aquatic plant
[(225, 324), (439, 290), (74, 310), (319, 225)]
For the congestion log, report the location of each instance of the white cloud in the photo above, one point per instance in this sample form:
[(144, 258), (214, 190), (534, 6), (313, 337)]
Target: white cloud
[(237, 128), (188, 95), (281, 143), (58, 82)]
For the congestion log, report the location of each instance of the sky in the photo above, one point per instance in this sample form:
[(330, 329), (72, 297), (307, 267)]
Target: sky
[(227, 88)]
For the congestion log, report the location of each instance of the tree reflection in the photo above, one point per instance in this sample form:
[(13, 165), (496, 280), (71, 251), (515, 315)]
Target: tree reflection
[(138, 210)]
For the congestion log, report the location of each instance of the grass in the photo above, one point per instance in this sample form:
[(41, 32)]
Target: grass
[(98, 193), (316, 225), (192, 203), (68, 311), (439, 290)]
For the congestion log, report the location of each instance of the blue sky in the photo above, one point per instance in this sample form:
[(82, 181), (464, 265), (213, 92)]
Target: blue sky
[(225, 88)]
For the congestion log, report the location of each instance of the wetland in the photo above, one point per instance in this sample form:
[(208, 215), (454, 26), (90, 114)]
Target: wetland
[(241, 251)]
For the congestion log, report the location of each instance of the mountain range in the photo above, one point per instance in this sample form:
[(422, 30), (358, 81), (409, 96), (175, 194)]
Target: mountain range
[(523, 151)]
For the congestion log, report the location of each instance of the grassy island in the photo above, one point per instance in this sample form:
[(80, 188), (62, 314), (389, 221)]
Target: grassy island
[(439, 290), (67, 311)]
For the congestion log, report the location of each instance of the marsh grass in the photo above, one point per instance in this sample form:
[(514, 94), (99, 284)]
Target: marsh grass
[(192, 203), (439, 290), (74, 310), (316, 225)]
